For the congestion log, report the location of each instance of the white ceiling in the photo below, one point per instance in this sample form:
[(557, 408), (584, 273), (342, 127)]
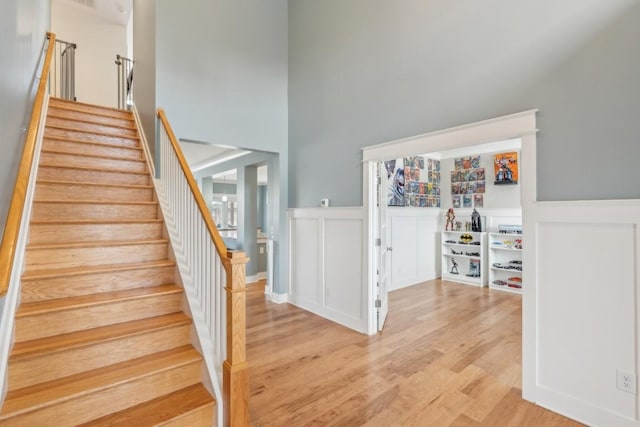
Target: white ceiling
[(115, 12), (200, 156), (231, 176)]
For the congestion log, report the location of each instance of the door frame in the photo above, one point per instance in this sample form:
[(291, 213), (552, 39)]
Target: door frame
[(519, 125)]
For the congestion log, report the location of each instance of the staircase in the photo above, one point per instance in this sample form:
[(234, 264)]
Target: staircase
[(101, 336)]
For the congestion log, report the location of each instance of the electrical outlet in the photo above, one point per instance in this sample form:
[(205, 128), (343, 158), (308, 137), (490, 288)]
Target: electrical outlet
[(261, 249), (626, 381)]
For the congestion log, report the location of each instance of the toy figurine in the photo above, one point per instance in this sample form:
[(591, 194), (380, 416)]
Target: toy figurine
[(458, 225), (454, 267), (451, 217), (476, 224), (474, 268)]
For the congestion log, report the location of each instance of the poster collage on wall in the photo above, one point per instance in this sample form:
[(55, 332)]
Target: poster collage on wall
[(413, 181), (467, 183)]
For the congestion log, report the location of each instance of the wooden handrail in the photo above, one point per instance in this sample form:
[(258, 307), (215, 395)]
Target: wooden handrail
[(16, 208), (221, 248), (235, 381)]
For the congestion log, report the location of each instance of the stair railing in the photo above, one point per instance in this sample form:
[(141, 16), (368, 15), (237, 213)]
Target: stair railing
[(125, 82), (212, 276), (14, 238), (63, 74)]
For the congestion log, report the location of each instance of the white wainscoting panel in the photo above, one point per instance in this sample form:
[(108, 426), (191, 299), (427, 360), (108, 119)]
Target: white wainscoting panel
[(415, 239), (327, 264), (343, 262), (586, 304), (305, 256)]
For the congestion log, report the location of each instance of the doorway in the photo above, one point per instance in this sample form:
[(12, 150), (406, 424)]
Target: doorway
[(519, 125)]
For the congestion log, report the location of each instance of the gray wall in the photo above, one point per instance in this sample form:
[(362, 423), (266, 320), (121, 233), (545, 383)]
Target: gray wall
[(144, 55), (221, 71), (23, 24), (363, 72), (221, 75)]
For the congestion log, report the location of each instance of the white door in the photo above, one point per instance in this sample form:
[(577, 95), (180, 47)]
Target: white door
[(383, 248)]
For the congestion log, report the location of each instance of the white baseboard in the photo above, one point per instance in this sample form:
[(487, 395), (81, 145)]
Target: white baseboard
[(255, 277), (279, 298)]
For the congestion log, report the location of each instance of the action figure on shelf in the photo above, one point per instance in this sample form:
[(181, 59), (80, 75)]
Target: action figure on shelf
[(451, 217), (474, 268), (454, 267), (476, 223)]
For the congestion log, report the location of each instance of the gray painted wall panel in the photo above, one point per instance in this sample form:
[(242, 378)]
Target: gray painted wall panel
[(222, 78), (144, 54), (363, 72), (23, 24)]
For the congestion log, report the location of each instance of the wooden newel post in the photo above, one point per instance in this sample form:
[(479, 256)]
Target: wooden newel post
[(235, 373)]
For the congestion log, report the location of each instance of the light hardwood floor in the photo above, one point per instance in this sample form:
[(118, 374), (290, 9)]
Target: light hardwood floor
[(450, 355)]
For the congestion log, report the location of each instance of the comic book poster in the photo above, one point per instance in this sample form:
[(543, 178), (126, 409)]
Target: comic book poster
[(505, 168), (395, 182)]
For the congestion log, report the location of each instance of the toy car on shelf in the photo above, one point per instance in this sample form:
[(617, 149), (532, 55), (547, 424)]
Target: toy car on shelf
[(472, 254), (500, 283), (450, 241), (508, 266), (509, 229)]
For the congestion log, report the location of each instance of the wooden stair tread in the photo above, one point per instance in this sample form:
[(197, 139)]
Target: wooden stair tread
[(92, 132), (94, 156), (96, 143), (94, 202), (52, 392), (77, 105), (91, 169), (70, 303), (96, 184), (157, 411), (93, 244), (77, 339), (59, 116), (96, 221), (107, 268)]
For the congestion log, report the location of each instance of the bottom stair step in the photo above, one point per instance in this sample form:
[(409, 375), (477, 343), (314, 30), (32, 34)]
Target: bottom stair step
[(94, 394), (190, 407)]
